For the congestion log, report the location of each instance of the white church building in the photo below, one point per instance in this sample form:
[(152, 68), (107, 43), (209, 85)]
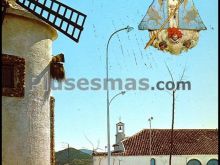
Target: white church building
[(152, 147)]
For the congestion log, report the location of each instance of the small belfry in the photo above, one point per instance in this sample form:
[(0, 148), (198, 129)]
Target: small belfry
[(120, 135), (173, 25)]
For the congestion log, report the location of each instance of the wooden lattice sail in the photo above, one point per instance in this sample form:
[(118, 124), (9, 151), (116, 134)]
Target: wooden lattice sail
[(174, 25), (62, 17)]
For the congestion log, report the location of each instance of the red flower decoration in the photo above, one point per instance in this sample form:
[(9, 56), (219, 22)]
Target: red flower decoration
[(174, 31)]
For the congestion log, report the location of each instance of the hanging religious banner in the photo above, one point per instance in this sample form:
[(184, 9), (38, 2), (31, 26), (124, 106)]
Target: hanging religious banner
[(173, 25)]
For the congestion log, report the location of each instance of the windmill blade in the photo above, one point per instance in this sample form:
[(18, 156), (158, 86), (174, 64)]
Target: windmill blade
[(98, 143), (99, 149), (65, 19), (89, 142)]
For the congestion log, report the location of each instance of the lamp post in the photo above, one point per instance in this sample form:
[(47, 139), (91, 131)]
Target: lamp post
[(128, 29), (108, 125), (150, 119)]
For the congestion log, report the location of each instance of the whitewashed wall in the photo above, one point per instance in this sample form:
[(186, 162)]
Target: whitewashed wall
[(145, 160), (26, 121)]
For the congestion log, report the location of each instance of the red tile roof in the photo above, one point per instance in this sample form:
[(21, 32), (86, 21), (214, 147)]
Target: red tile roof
[(186, 142)]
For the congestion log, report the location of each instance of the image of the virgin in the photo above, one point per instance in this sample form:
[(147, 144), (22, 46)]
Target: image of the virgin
[(158, 12)]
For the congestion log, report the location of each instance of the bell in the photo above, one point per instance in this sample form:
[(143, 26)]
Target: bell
[(120, 128)]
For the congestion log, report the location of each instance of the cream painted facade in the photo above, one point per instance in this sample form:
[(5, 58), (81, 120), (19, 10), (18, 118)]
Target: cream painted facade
[(145, 160), (26, 120)]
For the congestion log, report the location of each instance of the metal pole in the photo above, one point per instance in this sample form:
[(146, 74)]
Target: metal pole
[(68, 154), (150, 119), (108, 103), (172, 127), (150, 139), (108, 124)]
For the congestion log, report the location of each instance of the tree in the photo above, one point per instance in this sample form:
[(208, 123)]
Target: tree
[(173, 111)]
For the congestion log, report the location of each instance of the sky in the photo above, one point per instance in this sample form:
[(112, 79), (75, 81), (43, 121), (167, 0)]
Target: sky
[(80, 116)]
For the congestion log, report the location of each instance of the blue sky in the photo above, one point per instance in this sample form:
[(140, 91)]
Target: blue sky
[(83, 113)]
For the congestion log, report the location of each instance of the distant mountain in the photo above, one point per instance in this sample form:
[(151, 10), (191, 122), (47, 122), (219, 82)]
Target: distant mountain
[(86, 151), (73, 157)]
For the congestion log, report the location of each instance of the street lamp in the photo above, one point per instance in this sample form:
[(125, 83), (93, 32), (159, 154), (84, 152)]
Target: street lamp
[(150, 119), (108, 125), (128, 29), (121, 93)]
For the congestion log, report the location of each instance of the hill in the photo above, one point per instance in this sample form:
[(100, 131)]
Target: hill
[(73, 156), (86, 151)]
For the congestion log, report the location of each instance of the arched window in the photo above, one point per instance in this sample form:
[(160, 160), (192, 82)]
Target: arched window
[(212, 162), (194, 162), (152, 161)]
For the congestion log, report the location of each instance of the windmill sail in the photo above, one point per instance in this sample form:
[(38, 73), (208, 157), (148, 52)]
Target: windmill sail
[(65, 19)]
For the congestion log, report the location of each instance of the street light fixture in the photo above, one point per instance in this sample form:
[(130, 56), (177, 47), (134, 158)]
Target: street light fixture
[(121, 93), (128, 29), (150, 119)]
